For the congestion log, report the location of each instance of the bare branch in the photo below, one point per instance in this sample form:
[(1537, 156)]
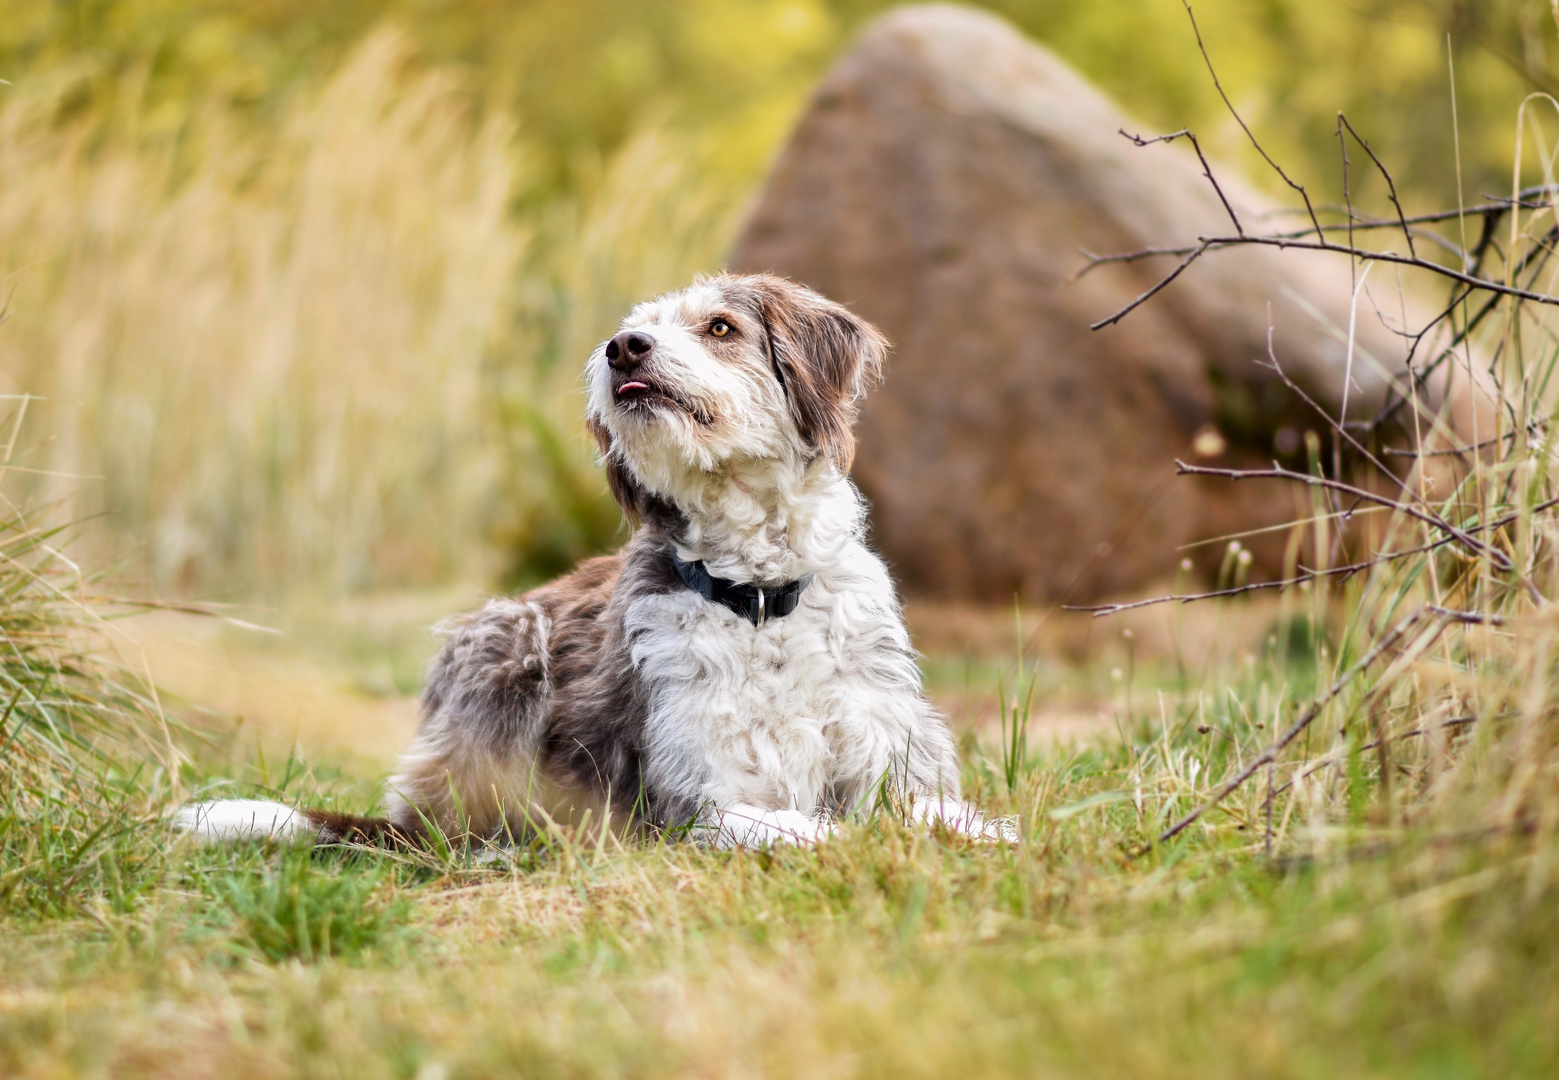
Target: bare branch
[(1390, 184), (1238, 119), (1217, 243), (1336, 425), (1471, 618), (1452, 724), (1277, 472), (1496, 205), (1207, 169), (1348, 214), (1532, 429), (1095, 261), (1379, 559), (1101, 610), (1154, 291), (1360, 223)]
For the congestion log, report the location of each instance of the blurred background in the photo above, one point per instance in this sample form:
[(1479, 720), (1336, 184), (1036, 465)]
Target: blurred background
[(301, 291)]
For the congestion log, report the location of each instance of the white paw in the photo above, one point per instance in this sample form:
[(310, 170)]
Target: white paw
[(754, 827), (965, 819), (1002, 830), (240, 819)]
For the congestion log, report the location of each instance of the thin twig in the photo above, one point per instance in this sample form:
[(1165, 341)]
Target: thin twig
[(1420, 377), (1336, 425), (1271, 768), (1391, 185), (1101, 610), (1205, 244), (1379, 559), (1353, 267), (1340, 428), (1238, 119), (1471, 618), (1496, 204), (1277, 472), (1207, 169), (1332, 759), (1154, 291), (1532, 428), (1305, 719)]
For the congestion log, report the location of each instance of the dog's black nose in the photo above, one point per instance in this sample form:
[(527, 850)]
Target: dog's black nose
[(628, 350)]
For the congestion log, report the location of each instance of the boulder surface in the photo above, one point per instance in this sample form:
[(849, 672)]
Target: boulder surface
[(942, 183)]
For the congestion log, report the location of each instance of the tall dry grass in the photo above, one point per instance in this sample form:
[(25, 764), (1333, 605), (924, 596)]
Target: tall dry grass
[(655, 217), (270, 352), (86, 753)]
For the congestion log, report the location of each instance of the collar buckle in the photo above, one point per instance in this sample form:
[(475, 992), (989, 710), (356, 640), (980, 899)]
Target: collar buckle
[(758, 604)]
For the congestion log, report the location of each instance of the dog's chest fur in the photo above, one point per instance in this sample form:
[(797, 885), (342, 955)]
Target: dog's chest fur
[(796, 713)]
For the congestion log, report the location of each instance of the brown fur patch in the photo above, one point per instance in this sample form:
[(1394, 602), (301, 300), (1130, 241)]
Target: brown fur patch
[(596, 735), (826, 357), (499, 738), (638, 504), (337, 828)]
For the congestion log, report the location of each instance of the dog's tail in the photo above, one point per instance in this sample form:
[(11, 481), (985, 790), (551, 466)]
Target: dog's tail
[(222, 820)]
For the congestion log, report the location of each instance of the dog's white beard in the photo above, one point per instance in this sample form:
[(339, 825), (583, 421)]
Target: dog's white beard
[(767, 508)]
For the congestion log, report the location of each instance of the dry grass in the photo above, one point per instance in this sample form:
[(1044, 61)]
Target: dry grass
[(882, 954), (253, 327), (86, 753), (1393, 932)]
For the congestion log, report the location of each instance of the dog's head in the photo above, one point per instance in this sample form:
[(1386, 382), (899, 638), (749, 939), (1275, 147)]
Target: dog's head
[(745, 368)]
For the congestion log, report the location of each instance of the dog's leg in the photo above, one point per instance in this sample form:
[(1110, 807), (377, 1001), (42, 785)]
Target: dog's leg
[(741, 825), (919, 765), (472, 766)]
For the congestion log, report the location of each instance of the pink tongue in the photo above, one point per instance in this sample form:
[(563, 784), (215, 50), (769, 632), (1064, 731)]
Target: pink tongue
[(625, 387)]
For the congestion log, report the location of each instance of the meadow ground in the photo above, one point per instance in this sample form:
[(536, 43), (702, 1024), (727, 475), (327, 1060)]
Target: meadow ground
[(294, 301), (1366, 944)]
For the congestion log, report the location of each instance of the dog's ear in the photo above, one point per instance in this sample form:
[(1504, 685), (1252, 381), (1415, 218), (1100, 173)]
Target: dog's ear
[(636, 502), (824, 357)]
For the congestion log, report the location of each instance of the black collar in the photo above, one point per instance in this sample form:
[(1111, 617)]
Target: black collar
[(755, 603)]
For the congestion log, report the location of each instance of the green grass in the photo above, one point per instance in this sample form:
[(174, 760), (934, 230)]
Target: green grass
[(85, 752), (295, 904), (1340, 927), (1414, 943), (886, 952)]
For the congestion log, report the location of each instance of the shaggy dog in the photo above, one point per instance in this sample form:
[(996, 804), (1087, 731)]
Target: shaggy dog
[(740, 669)]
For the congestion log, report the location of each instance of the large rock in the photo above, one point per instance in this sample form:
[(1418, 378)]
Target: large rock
[(942, 183)]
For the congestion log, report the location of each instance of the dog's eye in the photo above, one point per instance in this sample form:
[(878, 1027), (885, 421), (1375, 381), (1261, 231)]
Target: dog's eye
[(719, 328)]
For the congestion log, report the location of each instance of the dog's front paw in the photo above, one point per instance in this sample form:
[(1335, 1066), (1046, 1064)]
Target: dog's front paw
[(803, 829), (1002, 830), (964, 819), (754, 827)]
